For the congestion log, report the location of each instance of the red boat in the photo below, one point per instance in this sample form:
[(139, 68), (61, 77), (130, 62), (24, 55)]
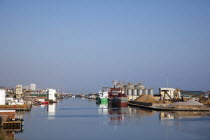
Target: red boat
[(44, 103), (117, 97)]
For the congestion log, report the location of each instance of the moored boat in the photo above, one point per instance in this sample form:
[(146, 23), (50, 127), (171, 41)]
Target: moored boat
[(117, 97), (103, 96)]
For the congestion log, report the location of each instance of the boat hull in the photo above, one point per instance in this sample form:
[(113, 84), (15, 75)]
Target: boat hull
[(103, 99), (119, 102)]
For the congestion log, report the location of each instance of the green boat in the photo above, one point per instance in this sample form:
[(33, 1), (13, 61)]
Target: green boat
[(103, 96)]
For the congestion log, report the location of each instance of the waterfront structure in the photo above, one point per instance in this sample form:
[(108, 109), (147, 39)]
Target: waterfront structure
[(32, 87), (191, 94), (19, 90), (51, 94), (134, 89), (169, 93), (7, 114), (2, 97)]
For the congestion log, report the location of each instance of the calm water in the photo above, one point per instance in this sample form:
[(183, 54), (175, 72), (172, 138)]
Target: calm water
[(79, 119)]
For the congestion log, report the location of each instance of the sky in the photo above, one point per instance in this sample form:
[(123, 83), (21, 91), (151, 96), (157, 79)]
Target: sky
[(82, 45)]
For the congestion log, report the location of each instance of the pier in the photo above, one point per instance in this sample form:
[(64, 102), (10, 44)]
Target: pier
[(158, 107), (16, 107)]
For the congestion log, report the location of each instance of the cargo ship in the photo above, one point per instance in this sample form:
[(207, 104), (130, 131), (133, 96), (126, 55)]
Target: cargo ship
[(116, 97)]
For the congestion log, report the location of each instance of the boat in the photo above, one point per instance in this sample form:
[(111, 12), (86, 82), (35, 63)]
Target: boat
[(102, 96), (45, 103), (116, 96)]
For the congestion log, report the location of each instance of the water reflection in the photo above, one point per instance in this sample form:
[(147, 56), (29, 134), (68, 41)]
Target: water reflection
[(169, 118), (182, 115), (6, 135), (103, 109), (123, 115), (51, 109), (82, 119)]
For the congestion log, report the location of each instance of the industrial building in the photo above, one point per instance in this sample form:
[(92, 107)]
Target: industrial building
[(169, 93), (134, 89), (51, 94)]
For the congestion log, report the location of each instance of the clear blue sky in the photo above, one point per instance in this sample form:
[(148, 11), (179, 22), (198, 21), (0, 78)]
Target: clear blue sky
[(82, 45)]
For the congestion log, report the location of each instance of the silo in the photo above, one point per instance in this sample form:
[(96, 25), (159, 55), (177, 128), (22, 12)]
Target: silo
[(140, 91), (151, 91), (2, 97), (130, 89), (125, 91), (135, 92), (145, 91), (139, 88), (129, 92)]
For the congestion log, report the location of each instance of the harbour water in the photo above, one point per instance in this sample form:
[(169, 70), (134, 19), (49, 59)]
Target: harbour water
[(78, 119)]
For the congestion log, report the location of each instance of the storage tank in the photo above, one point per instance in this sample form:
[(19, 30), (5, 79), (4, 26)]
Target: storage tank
[(135, 92), (2, 97), (130, 88), (151, 91), (139, 92), (145, 91), (129, 92), (125, 92)]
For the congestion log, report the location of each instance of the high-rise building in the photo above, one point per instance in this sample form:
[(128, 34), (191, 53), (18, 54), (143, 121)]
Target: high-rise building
[(19, 90), (33, 87)]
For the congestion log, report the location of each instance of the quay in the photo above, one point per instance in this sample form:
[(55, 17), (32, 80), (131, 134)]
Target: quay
[(16, 107), (159, 107), (8, 121)]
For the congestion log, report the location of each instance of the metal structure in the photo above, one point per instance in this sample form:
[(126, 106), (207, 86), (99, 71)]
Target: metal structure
[(177, 97), (200, 96), (132, 89)]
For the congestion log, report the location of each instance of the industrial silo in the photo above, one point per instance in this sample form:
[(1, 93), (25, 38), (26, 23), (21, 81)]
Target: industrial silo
[(2, 97), (140, 92), (130, 88), (129, 92), (125, 91), (134, 92), (151, 91), (145, 91)]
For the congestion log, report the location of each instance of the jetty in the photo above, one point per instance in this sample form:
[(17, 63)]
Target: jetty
[(16, 107), (149, 102)]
